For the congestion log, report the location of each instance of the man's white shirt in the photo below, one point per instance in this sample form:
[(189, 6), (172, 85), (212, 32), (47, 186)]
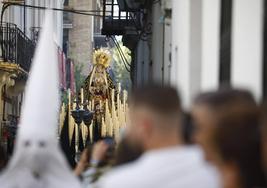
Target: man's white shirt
[(176, 167)]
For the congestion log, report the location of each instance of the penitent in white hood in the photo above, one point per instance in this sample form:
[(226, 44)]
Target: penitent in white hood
[(37, 161)]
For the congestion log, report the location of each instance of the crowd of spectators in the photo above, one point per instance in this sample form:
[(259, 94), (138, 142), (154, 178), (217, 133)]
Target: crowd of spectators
[(220, 142)]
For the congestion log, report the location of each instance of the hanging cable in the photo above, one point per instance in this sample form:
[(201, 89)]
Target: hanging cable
[(119, 47), (124, 63), (120, 51), (121, 56), (81, 12)]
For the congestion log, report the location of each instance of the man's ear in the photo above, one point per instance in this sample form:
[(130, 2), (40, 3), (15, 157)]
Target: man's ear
[(147, 127)]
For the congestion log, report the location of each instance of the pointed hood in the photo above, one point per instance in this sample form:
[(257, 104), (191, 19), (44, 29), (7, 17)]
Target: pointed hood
[(37, 160), (41, 103)]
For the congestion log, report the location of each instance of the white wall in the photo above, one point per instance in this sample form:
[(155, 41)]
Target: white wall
[(196, 46), (59, 22), (186, 48), (180, 77), (195, 54), (210, 45), (247, 45), (157, 43), (167, 50), (142, 63)]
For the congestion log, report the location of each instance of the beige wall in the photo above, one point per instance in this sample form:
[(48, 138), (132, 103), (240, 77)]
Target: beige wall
[(80, 36)]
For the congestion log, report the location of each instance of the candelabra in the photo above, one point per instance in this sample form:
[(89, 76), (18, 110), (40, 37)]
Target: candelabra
[(81, 114)]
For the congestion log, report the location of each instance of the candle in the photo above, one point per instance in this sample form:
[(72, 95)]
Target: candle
[(93, 105), (110, 127), (69, 116), (112, 95), (82, 99), (107, 108), (91, 132), (69, 97), (103, 131), (119, 87), (124, 98), (90, 106), (74, 106), (76, 137)]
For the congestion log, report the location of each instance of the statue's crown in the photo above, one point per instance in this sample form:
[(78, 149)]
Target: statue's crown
[(102, 57)]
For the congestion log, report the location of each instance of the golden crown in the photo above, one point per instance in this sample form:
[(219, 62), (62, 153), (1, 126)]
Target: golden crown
[(102, 57)]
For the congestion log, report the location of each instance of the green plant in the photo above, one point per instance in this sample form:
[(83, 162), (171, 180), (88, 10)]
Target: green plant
[(79, 77), (121, 75), (64, 97)]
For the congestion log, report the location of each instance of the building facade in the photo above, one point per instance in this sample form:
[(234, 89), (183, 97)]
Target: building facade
[(79, 34), (217, 43), (197, 45), (19, 33)]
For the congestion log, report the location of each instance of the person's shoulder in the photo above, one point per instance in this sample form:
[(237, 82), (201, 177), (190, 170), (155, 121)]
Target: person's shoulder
[(204, 172), (126, 170), (124, 176)]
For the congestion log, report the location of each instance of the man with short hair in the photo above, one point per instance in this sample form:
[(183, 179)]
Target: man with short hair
[(155, 126), (228, 129)]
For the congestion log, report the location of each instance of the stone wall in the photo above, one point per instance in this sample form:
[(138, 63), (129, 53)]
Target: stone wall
[(80, 36)]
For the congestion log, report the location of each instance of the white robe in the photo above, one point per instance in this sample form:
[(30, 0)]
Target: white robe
[(176, 167), (37, 161), (35, 167)]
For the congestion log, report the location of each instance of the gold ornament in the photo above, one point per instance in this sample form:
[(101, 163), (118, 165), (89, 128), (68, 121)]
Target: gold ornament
[(102, 57)]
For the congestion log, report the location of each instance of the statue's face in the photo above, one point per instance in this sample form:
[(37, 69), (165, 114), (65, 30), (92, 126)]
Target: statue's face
[(103, 58), (100, 69)]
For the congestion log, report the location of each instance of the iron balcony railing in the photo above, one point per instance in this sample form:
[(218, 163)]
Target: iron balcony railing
[(117, 21), (16, 47)]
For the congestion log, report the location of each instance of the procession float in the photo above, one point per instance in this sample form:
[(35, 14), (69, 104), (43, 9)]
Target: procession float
[(100, 97)]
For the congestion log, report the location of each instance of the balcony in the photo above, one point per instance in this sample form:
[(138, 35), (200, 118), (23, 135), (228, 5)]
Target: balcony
[(132, 5), (117, 21), (16, 48)]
